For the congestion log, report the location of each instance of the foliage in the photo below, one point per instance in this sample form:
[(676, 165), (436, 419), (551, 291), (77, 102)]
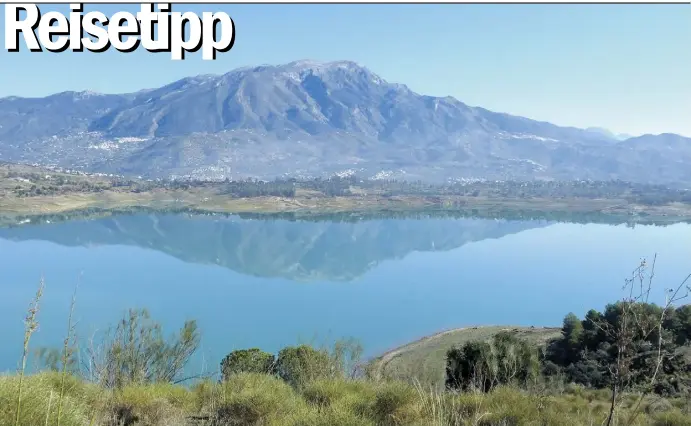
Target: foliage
[(622, 352), (396, 404), (257, 399), (247, 361), (481, 365), (299, 365), (150, 404), (678, 322), (310, 388), (586, 352), (39, 402), (353, 394), (136, 352), (631, 346)]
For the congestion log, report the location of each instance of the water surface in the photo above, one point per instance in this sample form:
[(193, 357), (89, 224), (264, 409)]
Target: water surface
[(271, 283)]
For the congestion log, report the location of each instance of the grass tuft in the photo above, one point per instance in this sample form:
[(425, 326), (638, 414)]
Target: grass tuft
[(37, 404)]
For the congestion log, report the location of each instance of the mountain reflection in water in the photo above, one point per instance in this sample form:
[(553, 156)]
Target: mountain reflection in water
[(384, 281), (296, 250)]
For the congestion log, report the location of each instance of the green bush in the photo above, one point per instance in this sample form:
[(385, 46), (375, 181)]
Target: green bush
[(506, 359), (396, 403), (587, 354), (154, 404), (341, 396), (266, 400), (136, 352), (258, 399), (247, 361), (299, 365)]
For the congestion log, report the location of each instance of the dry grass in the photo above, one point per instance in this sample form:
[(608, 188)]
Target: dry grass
[(39, 401), (255, 399)]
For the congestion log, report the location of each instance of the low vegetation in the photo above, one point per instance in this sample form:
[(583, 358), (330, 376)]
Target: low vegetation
[(624, 366), (424, 361), (260, 399)]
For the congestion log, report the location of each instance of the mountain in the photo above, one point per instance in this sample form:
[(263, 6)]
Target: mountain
[(314, 119), (295, 250), (604, 133)]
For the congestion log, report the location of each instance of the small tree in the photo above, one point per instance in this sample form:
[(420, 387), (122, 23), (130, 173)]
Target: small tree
[(247, 361), (679, 322), (572, 330), (467, 367), (564, 351), (135, 352)]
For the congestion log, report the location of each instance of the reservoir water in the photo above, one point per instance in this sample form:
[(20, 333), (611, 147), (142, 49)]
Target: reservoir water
[(269, 283)]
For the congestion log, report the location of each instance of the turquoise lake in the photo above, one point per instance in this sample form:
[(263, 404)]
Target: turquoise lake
[(269, 283)]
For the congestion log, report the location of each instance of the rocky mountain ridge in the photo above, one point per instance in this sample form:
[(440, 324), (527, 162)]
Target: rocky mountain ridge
[(308, 119)]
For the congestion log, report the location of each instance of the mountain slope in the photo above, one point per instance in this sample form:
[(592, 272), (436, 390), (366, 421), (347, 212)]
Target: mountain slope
[(307, 119)]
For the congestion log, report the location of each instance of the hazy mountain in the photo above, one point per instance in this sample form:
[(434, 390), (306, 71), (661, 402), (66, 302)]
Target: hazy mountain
[(605, 133), (307, 118), (296, 250)]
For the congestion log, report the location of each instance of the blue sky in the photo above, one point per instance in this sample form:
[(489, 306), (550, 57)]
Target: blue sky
[(623, 67)]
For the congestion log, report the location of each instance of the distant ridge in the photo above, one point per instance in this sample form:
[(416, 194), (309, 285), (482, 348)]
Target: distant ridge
[(309, 118)]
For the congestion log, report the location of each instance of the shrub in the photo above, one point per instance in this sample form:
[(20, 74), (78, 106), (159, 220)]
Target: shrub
[(396, 403), (135, 352), (247, 361), (154, 404), (339, 394), (506, 359), (257, 399), (299, 365)]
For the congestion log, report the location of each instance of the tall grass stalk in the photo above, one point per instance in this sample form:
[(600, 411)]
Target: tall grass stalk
[(66, 354), (50, 402), (30, 327)]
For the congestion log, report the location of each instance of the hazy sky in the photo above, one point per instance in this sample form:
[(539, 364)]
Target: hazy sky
[(623, 67)]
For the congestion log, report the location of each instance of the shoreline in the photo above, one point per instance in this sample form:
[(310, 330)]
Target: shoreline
[(380, 362), (578, 210), (28, 191)]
